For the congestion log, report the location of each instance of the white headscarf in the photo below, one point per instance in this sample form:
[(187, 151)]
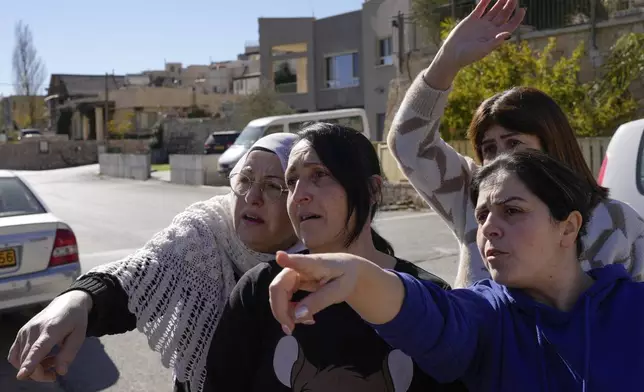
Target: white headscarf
[(178, 283)]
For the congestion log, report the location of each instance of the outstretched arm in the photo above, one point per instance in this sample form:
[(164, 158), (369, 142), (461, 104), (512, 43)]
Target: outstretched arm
[(439, 329)]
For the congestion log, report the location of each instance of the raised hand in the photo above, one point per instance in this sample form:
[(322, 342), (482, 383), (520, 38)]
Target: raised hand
[(481, 32), (476, 36)]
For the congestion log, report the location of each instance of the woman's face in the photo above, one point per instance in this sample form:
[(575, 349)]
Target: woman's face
[(498, 140), (261, 219), (317, 203), (520, 242)]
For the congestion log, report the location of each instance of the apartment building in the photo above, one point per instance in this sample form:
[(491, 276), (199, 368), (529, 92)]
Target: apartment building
[(343, 61)]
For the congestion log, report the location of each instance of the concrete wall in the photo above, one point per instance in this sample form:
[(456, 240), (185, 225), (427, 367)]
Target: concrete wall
[(60, 154), (196, 170), (336, 35), (281, 31), (132, 166)]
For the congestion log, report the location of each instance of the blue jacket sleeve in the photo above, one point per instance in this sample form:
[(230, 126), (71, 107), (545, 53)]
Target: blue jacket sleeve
[(441, 330)]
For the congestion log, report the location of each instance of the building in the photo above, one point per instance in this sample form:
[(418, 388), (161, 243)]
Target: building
[(75, 104), (241, 76), (343, 61)]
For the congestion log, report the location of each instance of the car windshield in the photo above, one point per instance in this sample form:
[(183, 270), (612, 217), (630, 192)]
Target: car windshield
[(222, 138), (249, 135), (16, 199)]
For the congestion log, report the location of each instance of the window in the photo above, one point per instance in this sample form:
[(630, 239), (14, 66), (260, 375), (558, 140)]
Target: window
[(385, 52), (342, 71), (249, 136), (281, 50), (354, 122), (290, 76), (277, 128), (16, 199), (297, 126)]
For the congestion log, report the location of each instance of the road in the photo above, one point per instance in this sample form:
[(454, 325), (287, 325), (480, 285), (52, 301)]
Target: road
[(113, 217)]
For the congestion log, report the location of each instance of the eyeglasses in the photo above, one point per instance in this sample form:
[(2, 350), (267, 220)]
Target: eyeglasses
[(271, 190)]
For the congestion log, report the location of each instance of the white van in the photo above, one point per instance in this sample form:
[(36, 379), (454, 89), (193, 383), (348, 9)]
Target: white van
[(354, 118)]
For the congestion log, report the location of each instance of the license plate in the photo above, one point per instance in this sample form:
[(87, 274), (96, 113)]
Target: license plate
[(7, 258), (219, 148)]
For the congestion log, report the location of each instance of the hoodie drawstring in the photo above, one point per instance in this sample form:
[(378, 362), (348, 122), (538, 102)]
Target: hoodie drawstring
[(544, 370), (587, 347)]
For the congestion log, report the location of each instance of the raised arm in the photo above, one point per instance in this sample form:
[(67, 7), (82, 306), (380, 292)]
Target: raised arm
[(440, 329), (434, 168)]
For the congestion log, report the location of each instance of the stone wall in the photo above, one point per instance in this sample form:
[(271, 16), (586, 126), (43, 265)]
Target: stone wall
[(399, 196), (187, 136), (61, 154), (27, 155)]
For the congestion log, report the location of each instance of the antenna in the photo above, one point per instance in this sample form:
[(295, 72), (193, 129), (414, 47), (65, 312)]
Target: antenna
[(312, 8)]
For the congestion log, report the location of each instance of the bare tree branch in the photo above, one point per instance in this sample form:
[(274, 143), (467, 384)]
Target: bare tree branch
[(28, 68)]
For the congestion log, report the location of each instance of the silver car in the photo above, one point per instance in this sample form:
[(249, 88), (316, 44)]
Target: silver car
[(38, 252)]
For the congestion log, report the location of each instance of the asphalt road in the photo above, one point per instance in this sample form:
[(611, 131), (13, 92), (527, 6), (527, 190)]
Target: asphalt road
[(113, 217)]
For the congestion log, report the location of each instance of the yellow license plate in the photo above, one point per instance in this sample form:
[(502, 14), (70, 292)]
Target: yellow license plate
[(7, 258), (219, 148)]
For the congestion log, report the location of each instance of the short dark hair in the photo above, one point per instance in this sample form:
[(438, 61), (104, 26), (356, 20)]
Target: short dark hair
[(552, 181), (352, 161)]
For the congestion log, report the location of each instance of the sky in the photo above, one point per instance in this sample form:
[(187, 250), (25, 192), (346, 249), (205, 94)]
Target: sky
[(80, 37)]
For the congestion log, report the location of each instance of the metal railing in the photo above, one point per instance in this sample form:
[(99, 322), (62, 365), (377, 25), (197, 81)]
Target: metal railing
[(556, 14)]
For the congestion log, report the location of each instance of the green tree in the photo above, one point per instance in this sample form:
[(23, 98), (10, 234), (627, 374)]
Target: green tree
[(593, 108), (263, 103), (425, 13)]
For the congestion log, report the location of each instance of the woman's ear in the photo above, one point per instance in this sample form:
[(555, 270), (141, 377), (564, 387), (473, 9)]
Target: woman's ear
[(571, 227), (376, 189)]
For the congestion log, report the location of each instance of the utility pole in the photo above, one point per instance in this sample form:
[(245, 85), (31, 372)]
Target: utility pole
[(106, 109), (593, 24), (400, 20), (453, 4)]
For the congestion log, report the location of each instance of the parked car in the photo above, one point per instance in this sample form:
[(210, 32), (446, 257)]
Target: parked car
[(622, 169), (218, 142), (29, 133), (38, 252)]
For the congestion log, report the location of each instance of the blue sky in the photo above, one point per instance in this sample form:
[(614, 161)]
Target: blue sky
[(74, 36)]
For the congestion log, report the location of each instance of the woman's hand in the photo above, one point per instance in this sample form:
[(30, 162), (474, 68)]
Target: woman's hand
[(330, 277), (375, 294), (476, 36), (64, 323)]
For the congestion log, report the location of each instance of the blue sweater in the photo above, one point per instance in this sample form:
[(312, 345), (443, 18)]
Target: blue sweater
[(499, 339)]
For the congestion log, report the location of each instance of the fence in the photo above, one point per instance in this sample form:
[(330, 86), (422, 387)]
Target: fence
[(541, 14), (592, 148)]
